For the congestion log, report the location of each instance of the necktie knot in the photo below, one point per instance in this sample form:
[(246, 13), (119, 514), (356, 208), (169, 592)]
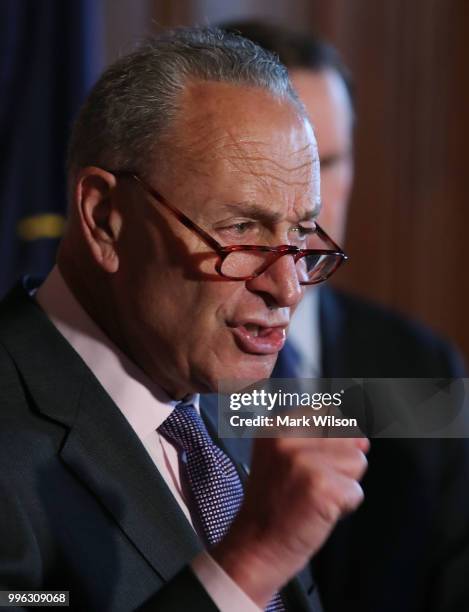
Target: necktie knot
[(185, 428)]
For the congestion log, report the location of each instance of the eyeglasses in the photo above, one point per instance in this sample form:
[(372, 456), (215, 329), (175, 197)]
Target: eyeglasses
[(242, 262)]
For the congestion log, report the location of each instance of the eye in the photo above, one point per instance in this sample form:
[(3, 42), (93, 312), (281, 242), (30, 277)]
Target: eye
[(243, 227), (240, 228), (303, 231), (240, 231)]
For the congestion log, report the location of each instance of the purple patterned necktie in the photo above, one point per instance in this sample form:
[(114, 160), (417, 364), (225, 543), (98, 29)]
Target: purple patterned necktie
[(210, 476)]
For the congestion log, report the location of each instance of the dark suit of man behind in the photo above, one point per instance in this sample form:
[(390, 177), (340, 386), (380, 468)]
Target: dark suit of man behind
[(407, 547)]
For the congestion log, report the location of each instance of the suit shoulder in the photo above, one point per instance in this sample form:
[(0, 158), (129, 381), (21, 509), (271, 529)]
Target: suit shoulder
[(380, 328), (374, 315), (378, 315)]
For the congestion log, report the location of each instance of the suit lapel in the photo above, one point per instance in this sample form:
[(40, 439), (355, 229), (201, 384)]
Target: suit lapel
[(100, 448), (106, 454)]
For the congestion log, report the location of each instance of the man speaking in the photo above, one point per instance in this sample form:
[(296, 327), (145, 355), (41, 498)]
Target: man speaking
[(193, 187)]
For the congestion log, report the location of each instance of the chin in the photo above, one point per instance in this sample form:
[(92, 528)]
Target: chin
[(244, 372)]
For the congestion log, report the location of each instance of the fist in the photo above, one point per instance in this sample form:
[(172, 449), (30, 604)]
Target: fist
[(297, 491)]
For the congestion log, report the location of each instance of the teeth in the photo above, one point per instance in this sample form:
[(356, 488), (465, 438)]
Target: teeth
[(252, 329)]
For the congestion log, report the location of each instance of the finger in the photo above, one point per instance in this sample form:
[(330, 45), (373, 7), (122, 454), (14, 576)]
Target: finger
[(334, 495)]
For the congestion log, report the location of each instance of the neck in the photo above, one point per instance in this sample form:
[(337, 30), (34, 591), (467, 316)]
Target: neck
[(94, 292)]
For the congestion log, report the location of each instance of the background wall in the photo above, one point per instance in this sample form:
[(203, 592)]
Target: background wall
[(409, 217)]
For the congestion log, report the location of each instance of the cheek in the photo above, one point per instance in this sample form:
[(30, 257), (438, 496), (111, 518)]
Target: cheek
[(201, 308), (218, 299)]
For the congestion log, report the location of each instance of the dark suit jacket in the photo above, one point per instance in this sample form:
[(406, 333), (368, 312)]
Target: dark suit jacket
[(407, 547), (82, 507)]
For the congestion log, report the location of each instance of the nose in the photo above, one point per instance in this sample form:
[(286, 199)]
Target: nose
[(280, 282)]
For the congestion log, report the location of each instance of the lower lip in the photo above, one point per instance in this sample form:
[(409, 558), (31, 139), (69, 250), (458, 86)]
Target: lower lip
[(270, 342)]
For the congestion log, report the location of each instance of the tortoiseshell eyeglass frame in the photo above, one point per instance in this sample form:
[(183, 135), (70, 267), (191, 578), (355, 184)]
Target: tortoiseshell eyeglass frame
[(223, 251)]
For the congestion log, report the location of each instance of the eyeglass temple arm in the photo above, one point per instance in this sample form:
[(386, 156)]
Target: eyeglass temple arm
[(324, 236), (179, 215)]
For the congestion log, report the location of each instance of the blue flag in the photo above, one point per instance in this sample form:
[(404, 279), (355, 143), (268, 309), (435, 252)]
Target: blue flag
[(49, 58)]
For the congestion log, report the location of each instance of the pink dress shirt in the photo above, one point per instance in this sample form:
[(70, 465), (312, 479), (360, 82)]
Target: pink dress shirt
[(145, 406)]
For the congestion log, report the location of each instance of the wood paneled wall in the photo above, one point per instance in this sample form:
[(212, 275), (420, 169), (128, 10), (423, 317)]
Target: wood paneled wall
[(410, 208)]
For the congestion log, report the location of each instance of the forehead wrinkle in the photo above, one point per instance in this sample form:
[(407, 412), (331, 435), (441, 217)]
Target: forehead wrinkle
[(195, 138), (268, 177), (204, 139), (275, 164), (196, 153), (252, 209), (250, 164), (261, 143), (238, 145), (275, 178), (203, 142)]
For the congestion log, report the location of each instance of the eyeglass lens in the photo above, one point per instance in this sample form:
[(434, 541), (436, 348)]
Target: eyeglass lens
[(310, 268)]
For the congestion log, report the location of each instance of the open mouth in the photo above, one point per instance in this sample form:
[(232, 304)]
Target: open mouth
[(259, 339)]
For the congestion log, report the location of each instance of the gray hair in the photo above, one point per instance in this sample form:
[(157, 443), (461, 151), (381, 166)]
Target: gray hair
[(134, 102)]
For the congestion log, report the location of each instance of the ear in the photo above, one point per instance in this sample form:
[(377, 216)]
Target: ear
[(100, 218)]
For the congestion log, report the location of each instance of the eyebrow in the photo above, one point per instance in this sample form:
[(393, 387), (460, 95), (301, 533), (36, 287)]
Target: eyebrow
[(251, 209)]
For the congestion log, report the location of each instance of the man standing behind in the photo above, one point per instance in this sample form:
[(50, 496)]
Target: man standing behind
[(407, 547), (112, 485)]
